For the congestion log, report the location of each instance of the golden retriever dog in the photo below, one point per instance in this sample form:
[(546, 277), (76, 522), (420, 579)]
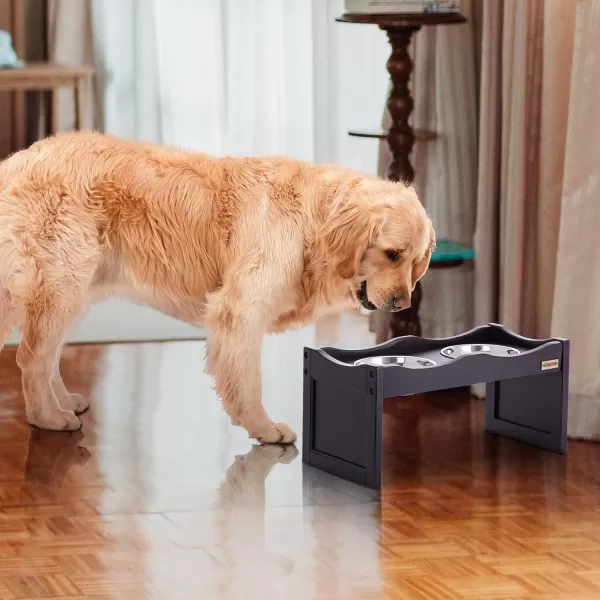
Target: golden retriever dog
[(240, 246)]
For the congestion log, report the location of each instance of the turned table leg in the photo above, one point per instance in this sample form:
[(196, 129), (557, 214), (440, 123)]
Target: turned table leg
[(400, 138), (82, 92)]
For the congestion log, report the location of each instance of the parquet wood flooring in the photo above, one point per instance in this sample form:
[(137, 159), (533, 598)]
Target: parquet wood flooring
[(158, 497)]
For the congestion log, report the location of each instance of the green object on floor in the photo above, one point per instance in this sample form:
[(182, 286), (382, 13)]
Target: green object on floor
[(449, 251)]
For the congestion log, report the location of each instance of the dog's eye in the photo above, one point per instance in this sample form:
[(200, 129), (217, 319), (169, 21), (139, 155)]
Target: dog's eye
[(393, 255)]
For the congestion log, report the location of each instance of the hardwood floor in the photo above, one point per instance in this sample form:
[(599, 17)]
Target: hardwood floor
[(159, 497)]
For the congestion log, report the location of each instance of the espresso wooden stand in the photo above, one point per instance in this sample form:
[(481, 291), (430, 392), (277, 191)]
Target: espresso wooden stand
[(526, 398)]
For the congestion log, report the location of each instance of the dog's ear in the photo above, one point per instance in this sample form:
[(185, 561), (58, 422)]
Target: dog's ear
[(348, 233), (432, 240), (420, 268)]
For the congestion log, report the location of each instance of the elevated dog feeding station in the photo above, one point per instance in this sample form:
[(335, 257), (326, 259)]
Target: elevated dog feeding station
[(526, 392)]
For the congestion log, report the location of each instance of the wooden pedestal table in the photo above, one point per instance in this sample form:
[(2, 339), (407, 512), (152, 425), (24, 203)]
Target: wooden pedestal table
[(400, 136)]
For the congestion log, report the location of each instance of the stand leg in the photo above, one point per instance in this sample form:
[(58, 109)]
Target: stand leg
[(342, 429), (400, 139), (532, 409)]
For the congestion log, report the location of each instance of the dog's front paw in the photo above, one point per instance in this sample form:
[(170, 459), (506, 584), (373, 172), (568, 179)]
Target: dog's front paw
[(75, 403), (60, 420), (272, 454), (287, 453), (274, 433)]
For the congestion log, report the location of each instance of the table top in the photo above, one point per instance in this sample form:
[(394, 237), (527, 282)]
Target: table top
[(404, 19), (45, 70)]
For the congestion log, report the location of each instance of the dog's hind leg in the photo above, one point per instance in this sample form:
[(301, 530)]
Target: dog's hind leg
[(49, 315), (54, 250)]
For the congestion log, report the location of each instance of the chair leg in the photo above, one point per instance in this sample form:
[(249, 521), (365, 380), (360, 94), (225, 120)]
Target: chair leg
[(51, 110), (82, 103)]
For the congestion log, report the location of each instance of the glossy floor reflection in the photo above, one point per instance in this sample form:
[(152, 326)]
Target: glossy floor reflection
[(159, 497)]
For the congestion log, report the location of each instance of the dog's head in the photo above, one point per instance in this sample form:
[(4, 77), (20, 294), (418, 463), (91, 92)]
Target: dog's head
[(381, 240)]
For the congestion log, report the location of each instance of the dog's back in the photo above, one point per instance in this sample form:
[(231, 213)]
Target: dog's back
[(90, 213)]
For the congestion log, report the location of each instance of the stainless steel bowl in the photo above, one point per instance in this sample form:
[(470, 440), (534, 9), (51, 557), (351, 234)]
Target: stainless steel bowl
[(492, 349), (411, 362)]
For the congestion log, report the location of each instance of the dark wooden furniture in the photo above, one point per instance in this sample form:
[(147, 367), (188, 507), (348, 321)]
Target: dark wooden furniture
[(400, 137), (526, 394), (43, 77), (13, 107)]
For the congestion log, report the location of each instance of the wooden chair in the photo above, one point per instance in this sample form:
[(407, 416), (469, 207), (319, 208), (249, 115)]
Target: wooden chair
[(49, 77), (27, 25)]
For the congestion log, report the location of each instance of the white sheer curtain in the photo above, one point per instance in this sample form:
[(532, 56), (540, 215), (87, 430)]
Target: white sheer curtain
[(241, 77), (577, 287)]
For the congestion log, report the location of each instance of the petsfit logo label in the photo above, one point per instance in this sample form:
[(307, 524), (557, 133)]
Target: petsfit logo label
[(550, 364)]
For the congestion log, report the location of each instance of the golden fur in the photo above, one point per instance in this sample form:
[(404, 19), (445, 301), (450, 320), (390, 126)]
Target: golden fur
[(241, 246)]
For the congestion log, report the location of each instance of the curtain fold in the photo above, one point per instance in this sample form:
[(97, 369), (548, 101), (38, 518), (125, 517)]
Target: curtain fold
[(526, 60), (538, 186), (576, 295), (487, 226)]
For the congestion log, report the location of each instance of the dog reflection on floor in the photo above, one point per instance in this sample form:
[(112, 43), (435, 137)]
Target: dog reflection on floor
[(240, 518), (244, 484), (51, 479), (50, 458), (235, 531)]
